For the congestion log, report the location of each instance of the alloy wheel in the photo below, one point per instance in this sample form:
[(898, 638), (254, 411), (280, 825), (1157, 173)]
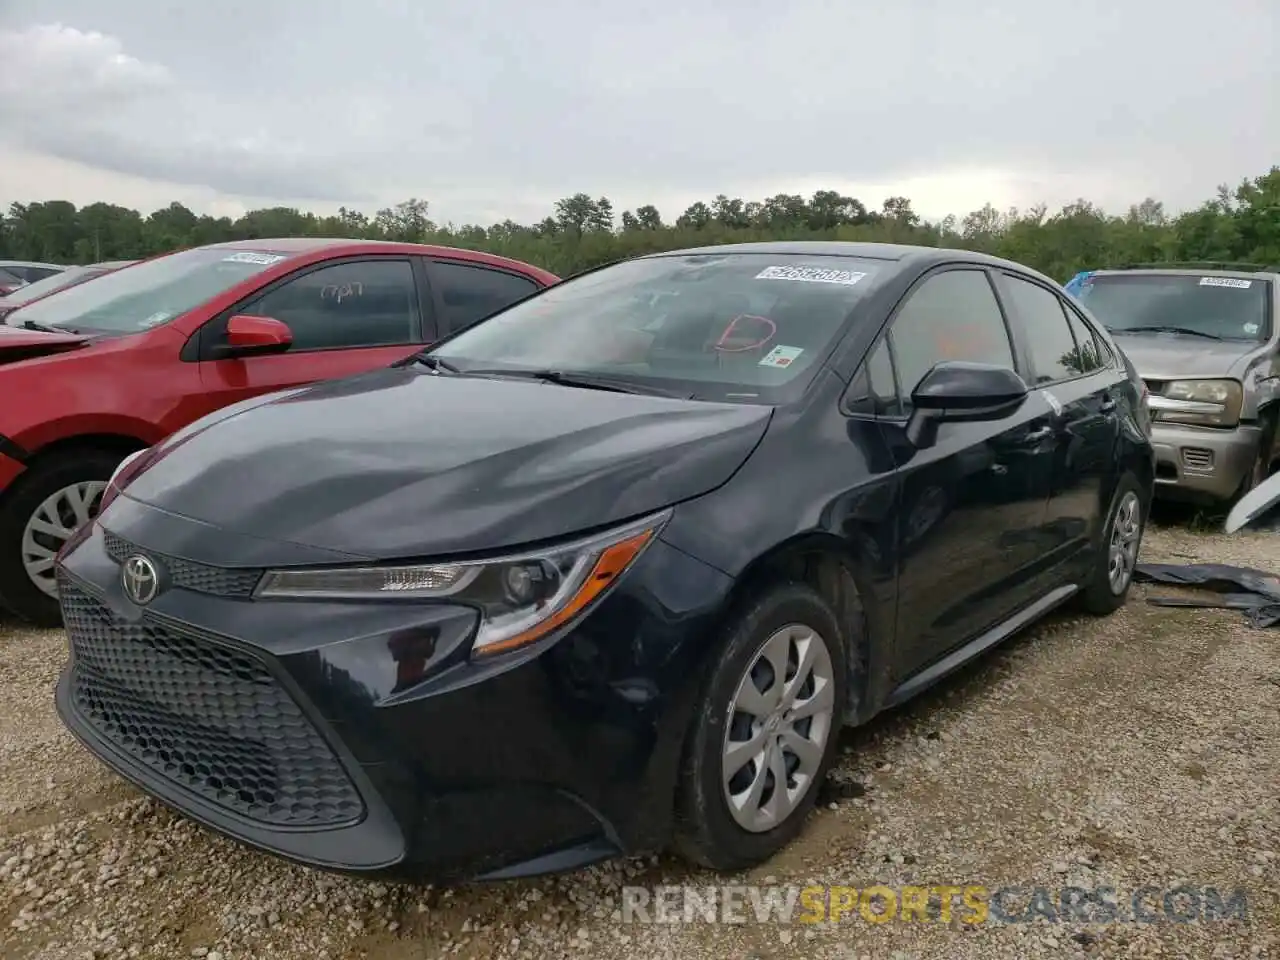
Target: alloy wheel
[(52, 524), (779, 722), (1122, 552)]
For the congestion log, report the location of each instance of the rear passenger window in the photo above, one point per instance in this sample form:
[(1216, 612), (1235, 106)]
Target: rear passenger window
[(470, 293), (951, 316), (1088, 359), (1049, 339), (1090, 335)]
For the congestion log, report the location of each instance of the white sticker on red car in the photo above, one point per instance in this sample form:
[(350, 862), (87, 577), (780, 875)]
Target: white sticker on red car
[(248, 256), (1225, 282), (811, 275)]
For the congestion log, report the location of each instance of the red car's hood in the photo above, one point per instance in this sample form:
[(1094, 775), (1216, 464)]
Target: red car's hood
[(17, 343)]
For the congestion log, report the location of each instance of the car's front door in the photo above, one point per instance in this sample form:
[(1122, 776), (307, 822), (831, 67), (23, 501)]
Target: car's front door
[(346, 317), (971, 501), (1065, 363)]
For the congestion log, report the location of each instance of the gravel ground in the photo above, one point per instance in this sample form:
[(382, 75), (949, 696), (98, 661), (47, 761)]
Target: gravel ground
[(1141, 749)]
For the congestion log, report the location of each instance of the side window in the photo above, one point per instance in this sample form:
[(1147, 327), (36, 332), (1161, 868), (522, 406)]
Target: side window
[(1086, 333), (951, 316), (874, 390), (32, 274), (469, 293), (363, 303), (1088, 358), (1044, 323)]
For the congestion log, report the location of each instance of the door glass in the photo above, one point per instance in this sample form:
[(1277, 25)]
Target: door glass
[(470, 293), (1088, 359), (1086, 333), (951, 316), (1049, 340), (360, 304)]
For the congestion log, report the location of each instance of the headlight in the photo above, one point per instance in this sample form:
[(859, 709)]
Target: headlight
[(1214, 403), (521, 598)]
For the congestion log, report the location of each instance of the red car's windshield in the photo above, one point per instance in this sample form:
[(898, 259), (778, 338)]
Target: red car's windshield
[(148, 294)]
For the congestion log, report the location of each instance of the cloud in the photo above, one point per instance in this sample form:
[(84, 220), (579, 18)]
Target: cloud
[(79, 96), (497, 108)]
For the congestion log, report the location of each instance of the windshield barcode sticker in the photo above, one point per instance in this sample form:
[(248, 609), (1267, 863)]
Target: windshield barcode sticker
[(261, 259), (1225, 282), (811, 275)]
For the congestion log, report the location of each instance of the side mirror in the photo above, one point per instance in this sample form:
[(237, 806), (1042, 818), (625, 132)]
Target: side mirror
[(253, 336), (956, 390)]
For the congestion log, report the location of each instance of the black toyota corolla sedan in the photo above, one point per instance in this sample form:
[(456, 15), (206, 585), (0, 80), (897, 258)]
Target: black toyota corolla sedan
[(608, 571)]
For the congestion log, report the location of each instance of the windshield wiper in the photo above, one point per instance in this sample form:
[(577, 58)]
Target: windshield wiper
[(428, 361), (1157, 328), (585, 381), (43, 328)]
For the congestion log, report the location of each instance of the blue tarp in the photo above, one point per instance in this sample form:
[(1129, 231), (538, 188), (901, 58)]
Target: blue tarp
[(1076, 283)]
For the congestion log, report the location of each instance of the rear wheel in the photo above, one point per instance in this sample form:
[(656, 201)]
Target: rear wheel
[(1117, 555), (766, 736), (45, 506)]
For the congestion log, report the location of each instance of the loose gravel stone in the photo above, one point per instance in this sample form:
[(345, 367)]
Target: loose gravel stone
[(1138, 749)]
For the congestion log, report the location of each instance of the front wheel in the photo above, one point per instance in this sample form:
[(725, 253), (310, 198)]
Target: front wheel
[(45, 506), (766, 735)]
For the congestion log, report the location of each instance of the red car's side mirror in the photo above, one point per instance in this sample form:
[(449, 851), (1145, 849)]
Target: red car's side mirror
[(249, 335)]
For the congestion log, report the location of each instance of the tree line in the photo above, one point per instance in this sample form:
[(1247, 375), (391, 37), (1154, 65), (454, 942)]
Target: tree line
[(1237, 225)]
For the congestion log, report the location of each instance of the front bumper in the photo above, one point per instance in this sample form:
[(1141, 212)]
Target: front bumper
[(306, 730), (1201, 461)]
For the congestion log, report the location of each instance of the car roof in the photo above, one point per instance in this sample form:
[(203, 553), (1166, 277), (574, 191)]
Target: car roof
[(32, 263), (905, 254), (1244, 273), (339, 246)]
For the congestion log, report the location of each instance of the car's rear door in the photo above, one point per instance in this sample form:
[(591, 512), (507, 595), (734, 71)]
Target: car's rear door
[(1065, 362), (347, 316), (970, 502), (465, 292)]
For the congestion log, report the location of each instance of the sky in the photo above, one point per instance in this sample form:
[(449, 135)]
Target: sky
[(496, 108)]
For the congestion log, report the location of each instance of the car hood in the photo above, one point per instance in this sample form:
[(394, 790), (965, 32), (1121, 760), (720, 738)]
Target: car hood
[(1173, 355), (400, 463), (18, 343)]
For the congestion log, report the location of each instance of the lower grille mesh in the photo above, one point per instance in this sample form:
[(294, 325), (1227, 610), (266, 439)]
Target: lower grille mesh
[(206, 717)]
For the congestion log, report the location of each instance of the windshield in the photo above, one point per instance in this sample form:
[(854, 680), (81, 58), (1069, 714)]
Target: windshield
[(1229, 308), (40, 288), (740, 326), (147, 294)]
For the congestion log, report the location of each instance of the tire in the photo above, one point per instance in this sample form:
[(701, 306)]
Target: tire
[(708, 832), (86, 471), (1261, 468), (1128, 511)]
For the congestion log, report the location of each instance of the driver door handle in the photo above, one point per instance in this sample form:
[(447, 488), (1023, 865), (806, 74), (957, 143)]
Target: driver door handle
[(1108, 403)]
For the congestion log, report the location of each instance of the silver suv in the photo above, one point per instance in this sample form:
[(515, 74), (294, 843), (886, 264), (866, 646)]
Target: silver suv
[(1204, 338)]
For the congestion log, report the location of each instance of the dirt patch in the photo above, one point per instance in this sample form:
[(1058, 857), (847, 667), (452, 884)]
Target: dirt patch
[(1141, 749)]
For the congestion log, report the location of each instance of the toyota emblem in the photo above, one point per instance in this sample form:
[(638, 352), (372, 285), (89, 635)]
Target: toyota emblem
[(141, 580)]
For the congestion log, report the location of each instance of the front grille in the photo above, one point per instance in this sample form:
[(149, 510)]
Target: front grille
[(204, 716), (219, 581)]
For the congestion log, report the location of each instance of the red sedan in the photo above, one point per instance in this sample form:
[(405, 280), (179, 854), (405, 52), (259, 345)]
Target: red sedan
[(97, 371)]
